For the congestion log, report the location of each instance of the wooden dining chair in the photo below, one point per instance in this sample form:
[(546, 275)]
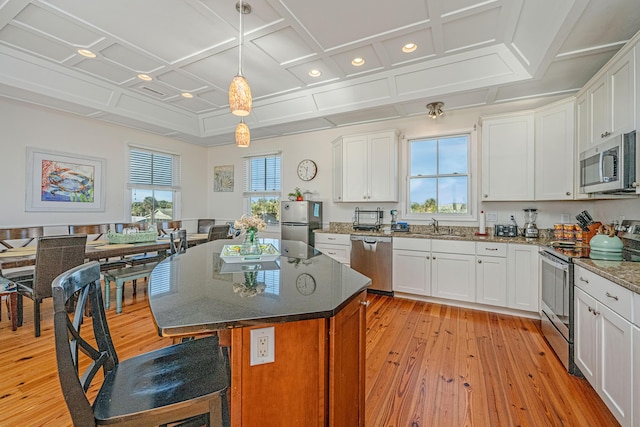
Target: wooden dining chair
[(54, 255), (166, 227), (204, 225), (17, 238), (183, 383), (25, 235), (97, 232)]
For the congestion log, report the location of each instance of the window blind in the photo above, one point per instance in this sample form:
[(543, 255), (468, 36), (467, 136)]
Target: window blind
[(153, 169), (262, 175)]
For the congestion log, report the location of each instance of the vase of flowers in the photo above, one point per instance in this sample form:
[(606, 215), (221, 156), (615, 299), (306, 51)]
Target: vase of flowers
[(250, 225)]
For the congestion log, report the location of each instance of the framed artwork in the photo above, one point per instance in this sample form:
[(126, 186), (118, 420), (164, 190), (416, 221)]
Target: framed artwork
[(223, 179), (64, 182)]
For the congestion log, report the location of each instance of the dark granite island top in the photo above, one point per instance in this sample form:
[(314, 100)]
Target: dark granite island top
[(194, 292), (315, 310)]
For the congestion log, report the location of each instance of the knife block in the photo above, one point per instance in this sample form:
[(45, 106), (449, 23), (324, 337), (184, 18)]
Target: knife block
[(593, 230)]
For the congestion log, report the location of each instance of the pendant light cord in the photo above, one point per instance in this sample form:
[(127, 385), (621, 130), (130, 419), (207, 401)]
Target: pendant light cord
[(241, 42)]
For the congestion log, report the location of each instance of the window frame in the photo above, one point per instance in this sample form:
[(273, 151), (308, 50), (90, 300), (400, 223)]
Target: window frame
[(472, 165), (247, 194), (174, 188)]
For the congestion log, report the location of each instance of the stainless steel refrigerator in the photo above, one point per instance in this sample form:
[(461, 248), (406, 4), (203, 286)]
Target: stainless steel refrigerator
[(299, 219)]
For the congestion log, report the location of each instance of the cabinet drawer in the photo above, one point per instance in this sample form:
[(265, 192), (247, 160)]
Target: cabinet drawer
[(614, 296), (338, 252), (333, 239), (412, 244), (453, 247), (491, 249)]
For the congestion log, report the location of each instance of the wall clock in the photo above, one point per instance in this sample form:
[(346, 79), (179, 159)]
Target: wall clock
[(306, 284), (307, 170)]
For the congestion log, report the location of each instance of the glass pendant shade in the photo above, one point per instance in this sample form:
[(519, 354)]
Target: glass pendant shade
[(240, 96), (243, 136)]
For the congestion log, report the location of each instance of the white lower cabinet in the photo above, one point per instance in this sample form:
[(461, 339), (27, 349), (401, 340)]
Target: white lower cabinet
[(453, 271), (491, 274), (523, 290), (603, 340), (636, 375), (336, 246), (412, 266)]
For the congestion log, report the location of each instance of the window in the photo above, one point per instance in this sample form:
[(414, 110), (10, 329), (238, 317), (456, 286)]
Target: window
[(262, 186), (439, 176), (154, 185)]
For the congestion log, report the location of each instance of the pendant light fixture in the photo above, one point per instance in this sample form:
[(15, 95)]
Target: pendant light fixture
[(239, 90), (243, 136)]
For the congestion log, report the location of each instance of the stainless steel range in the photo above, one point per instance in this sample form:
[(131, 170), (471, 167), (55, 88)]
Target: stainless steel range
[(557, 317), (557, 303)]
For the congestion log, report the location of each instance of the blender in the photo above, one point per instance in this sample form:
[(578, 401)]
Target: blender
[(530, 229)]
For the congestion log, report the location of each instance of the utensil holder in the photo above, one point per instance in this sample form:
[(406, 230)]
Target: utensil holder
[(593, 230)]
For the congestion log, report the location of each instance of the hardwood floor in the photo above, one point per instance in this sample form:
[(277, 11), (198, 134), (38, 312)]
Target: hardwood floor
[(427, 365)]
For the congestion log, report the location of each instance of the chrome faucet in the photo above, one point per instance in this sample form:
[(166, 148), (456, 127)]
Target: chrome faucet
[(435, 225)]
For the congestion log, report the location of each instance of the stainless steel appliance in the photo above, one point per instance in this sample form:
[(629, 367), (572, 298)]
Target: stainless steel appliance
[(299, 219), (610, 167), (506, 230), (371, 256), (557, 320), (530, 228), (629, 233)]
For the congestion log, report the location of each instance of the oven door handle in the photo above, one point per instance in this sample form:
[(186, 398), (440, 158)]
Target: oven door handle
[(564, 267)]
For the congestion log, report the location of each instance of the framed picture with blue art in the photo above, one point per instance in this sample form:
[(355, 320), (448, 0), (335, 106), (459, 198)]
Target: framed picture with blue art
[(64, 182)]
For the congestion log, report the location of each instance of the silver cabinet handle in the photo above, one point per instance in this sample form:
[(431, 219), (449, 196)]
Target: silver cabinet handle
[(582, 279), (568, 193), (612, 296), (365, 303), (593, 311), (479, 261), (490, 249), (331, 238)]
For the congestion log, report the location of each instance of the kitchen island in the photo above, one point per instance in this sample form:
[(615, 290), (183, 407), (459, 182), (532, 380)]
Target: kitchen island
[(316, 307)]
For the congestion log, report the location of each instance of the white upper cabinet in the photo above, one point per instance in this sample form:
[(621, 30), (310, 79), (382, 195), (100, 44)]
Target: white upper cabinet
[(611, 101), (366, 168), (508, 157), (554, 147)]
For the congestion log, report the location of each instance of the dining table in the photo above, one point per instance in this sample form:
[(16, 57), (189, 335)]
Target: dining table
[(95, 250), (309, 370)]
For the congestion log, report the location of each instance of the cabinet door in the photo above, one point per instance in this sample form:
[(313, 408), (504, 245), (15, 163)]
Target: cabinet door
[(621, 79), (340, 253), (585, 346), (336, 153), (355, 169), (491, 281), (412, 272), (383, 168), (508, 158), (598, 115), (614, 344), (453, 276), (554, 136), (636, 375), (347, 364), (523, 289)]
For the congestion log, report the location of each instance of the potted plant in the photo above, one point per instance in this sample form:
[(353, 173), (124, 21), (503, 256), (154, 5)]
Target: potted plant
[(296, 194)]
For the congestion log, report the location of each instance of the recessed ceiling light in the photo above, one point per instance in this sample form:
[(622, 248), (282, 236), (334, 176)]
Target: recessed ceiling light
[(144, 77), (409, 47), (315, 73), (86, 53), (187, 95), (356, 62)]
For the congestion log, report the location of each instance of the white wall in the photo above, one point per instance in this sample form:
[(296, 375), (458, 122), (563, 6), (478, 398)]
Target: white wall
[(317, 146), (24, 125)]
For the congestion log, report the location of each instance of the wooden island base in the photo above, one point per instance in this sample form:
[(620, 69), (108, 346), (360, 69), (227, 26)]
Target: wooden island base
[(317, 378)]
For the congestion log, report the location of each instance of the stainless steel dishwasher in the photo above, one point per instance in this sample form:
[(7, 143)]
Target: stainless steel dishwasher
[(372, 256)]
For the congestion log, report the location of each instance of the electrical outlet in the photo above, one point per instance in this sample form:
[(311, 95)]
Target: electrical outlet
[(492, 217), (565, 218), (262, 346)]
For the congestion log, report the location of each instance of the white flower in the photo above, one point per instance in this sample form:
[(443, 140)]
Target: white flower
[(248, 222)]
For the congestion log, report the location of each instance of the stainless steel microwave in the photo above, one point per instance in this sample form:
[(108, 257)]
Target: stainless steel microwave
[(610, 167)]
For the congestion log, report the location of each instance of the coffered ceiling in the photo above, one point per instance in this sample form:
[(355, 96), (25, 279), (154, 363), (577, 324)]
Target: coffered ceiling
[(469, 53)]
